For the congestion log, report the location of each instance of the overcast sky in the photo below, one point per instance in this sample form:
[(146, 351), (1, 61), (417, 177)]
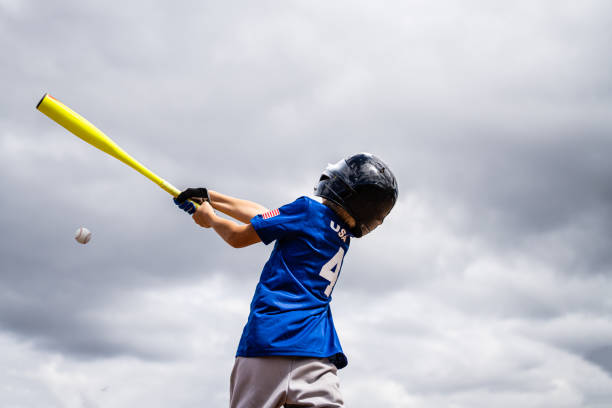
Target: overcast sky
[(488, 285)]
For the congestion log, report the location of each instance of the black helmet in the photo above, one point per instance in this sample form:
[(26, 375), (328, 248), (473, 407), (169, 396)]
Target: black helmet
[(364, 186)]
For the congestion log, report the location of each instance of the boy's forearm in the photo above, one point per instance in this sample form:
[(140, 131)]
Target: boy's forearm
[(239, 209), (238, 236)]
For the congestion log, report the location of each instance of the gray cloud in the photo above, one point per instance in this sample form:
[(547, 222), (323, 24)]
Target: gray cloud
[(488, 281)]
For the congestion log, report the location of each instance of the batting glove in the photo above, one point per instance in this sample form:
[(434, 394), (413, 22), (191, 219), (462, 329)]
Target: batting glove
[(186, 206), (199, 195)]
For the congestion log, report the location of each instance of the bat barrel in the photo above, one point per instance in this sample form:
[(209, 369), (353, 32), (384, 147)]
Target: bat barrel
[(79, 126)]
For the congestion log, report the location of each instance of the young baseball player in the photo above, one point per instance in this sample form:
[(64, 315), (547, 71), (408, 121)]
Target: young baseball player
[(289, 352)]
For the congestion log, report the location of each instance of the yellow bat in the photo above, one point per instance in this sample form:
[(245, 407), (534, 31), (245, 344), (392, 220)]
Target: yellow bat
[(80, 127)]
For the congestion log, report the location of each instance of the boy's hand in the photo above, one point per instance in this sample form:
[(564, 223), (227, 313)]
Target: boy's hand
[(198, 195), (204, 215), (186, 206)]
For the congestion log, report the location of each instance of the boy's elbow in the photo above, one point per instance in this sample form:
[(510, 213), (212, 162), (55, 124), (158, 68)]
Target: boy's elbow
[(235, 241), (235, 244), (241, 237)]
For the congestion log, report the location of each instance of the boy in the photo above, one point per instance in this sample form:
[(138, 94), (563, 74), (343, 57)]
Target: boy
[(289, 352)]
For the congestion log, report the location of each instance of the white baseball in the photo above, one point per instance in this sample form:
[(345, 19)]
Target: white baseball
[(82, 235)]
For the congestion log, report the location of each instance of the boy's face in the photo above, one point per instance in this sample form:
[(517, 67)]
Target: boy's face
[(379, 209), (371, 227)]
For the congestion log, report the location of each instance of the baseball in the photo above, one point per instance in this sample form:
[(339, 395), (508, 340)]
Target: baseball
[(82, 235)]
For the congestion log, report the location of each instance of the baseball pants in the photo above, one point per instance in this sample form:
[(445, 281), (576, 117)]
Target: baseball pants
[(282, 381)]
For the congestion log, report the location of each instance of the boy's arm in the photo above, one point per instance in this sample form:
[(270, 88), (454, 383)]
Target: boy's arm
[(239, 209), (238, 236)]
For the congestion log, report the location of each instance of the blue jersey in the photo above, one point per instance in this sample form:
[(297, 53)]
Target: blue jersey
[(290, 313)]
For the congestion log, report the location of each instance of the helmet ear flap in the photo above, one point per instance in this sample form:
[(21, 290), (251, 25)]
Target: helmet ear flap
[(317, 187), (334, 189)]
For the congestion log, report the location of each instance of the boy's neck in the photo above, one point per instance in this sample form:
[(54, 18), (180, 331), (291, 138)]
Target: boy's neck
[(342, 213)]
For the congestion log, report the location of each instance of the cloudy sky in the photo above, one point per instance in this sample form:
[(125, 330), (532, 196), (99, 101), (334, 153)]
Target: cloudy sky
[(488, 285)]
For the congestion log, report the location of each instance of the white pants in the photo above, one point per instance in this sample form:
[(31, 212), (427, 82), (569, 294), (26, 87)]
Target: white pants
[(279, 381)]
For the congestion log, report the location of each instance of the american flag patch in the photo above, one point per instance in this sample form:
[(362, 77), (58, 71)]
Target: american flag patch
[(270, 214)]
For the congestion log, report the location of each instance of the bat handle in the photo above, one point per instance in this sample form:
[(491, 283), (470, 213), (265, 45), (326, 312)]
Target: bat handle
[(173, 191), (197, 205)]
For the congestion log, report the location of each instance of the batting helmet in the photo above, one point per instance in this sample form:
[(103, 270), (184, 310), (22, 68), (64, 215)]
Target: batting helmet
[(364, 186)]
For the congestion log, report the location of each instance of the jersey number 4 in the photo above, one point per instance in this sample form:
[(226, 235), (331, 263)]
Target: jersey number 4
[(331, 270)]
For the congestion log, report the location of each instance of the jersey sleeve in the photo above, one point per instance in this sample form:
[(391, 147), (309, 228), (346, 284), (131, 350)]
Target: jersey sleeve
[(281, 222)]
